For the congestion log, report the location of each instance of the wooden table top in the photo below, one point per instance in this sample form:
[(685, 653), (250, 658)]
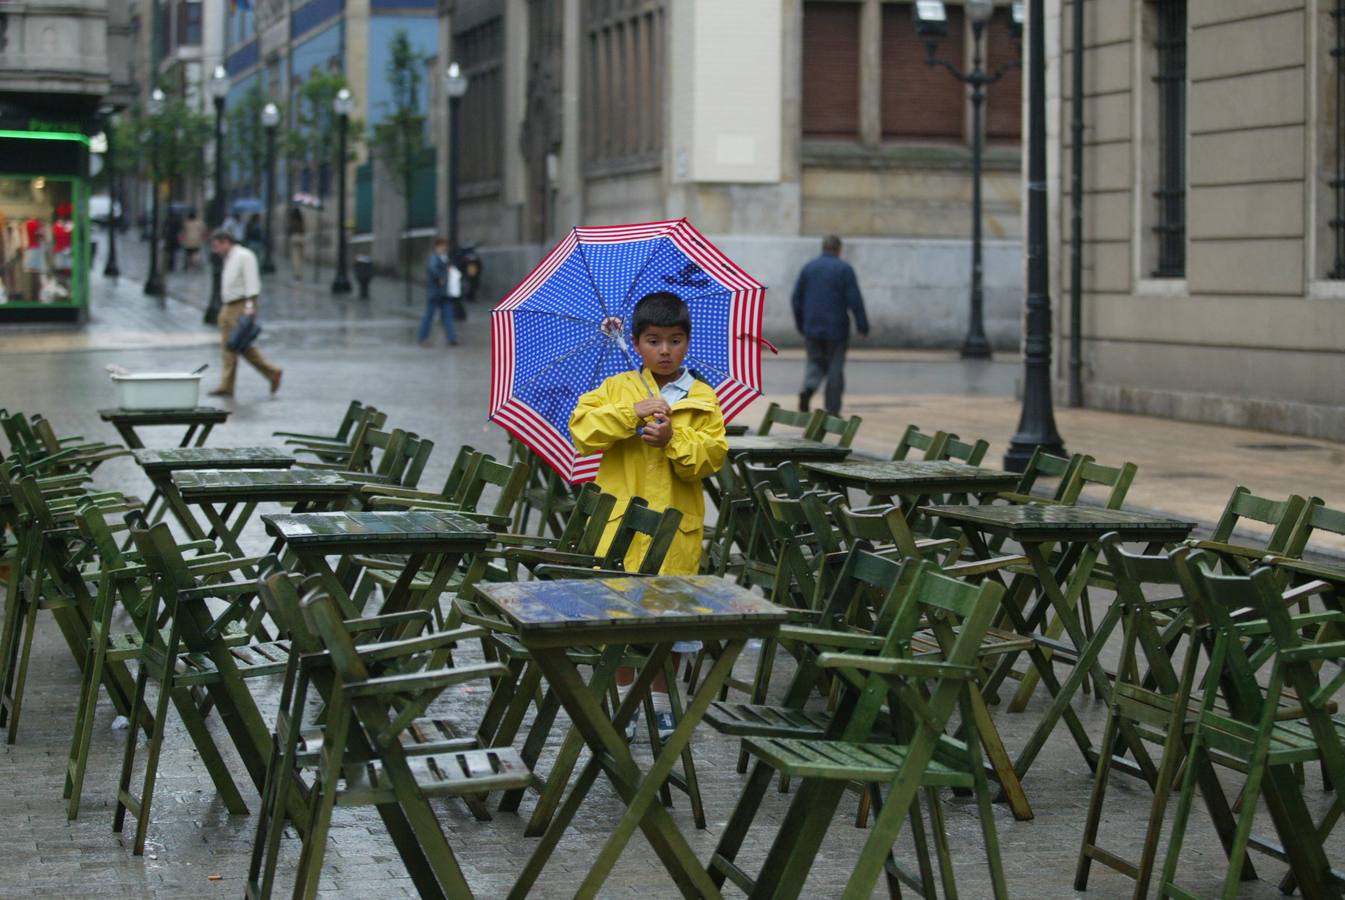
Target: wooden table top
[(773, 447), (176, 458), (913, 476), (294, 485), (680, 604), (1071, 523), (192, 415), (356, 531)]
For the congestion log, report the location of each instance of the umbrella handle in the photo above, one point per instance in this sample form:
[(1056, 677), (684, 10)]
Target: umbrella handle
[(761, 340)]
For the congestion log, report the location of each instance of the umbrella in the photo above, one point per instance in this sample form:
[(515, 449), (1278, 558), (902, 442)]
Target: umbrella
[(245, 205), (552, 337)]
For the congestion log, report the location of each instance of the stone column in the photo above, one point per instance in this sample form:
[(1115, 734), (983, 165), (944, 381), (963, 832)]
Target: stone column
[(569, 185), (514, 171), (871, 73)]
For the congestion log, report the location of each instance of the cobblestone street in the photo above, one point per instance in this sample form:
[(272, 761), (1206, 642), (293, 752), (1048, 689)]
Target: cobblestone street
[(333, 350)]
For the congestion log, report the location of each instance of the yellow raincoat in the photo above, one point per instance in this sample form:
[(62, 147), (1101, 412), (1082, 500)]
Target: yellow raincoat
[(605, 421)]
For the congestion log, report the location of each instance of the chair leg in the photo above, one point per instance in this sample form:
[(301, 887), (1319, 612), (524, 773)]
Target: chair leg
[(194, 721), (9, 636), (735, 830), (82, 737), (152, 764), (128, 754), (1096, 798), (1195, 757), (693, 787), (21, 673)]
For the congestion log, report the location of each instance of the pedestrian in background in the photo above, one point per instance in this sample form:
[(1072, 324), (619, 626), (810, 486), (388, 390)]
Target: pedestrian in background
[(253, 233), (191, 238), (172, 231), (443, 284), (825, 297), (240, 287), (294, 238)]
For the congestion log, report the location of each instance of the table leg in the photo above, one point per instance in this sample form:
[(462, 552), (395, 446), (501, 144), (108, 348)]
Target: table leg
[(611, 754), (186, 438), (316, 564), (128, 436), (205, 433)]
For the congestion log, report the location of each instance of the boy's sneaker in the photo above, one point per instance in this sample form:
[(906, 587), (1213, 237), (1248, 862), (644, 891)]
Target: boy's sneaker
[(666, 725), (632, 727)]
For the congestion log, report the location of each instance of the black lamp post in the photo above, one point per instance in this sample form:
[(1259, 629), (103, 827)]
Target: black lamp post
[(154, 283), (270, 120), (343, 105), (111, 270), (931, 21), (455, 86), (1036, 425), (219, 89)]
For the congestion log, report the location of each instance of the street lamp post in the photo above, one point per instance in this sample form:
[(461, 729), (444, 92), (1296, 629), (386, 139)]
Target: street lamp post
[(219, 89), (111, 270), (270, 120), (931, 21), (154, 283), (455, 86), (343, 105), (1036, 425)]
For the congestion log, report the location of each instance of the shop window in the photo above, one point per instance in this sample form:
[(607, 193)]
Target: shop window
[(38, 241), (831, 69)]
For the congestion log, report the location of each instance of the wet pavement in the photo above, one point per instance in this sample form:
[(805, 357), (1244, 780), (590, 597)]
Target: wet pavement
[(333, 350)]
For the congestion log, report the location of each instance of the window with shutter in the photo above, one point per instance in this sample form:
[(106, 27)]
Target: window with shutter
[(1004, 98), (920, 100), (830, 69)]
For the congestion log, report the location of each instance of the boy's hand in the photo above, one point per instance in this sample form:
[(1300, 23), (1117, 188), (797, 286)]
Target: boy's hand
[(658, 432), (653, 406)]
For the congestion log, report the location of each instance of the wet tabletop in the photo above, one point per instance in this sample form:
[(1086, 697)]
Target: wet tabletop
[(772, 446), (368, 529), (198, 415), (914, 475), (1086, 522), (675, 601), (176, 458), (211, 485)]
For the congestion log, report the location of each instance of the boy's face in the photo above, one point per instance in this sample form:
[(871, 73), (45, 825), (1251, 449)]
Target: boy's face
[(662, 348)]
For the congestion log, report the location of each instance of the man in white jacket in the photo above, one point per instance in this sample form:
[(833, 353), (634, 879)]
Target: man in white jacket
[(240, 287)]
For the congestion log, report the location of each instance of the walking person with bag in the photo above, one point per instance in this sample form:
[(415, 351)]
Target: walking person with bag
[(825, 297), (443, 288), (240, 288)]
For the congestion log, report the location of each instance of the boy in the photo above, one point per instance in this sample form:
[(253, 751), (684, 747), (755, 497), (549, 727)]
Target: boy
[(657, 447)]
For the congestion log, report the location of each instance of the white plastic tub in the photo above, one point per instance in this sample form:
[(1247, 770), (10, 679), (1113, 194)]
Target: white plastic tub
[(158, 390)]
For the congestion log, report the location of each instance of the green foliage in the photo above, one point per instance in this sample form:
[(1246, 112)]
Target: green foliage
[(311, 139), (399, 138), (169, 145), (246, 137)]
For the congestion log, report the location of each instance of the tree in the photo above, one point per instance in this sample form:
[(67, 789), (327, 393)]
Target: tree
[(400, 137), (181, 132), (311, 141), (246, 138)]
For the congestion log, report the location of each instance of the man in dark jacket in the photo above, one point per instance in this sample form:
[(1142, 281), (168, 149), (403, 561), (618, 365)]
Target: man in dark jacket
[(825, 296), (442, 284)]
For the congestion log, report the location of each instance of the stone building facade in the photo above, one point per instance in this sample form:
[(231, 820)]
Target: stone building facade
[(769, 123), (1213, 234)]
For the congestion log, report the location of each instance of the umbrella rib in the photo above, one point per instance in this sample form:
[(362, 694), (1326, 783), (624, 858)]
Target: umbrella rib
[(558, 315), (583, 257), (560, 359), (640, 272)]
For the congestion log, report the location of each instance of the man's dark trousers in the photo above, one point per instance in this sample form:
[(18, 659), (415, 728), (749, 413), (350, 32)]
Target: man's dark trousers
[(826, 359)]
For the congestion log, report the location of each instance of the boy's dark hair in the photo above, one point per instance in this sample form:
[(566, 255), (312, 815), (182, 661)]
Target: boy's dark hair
[(663, 309)]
